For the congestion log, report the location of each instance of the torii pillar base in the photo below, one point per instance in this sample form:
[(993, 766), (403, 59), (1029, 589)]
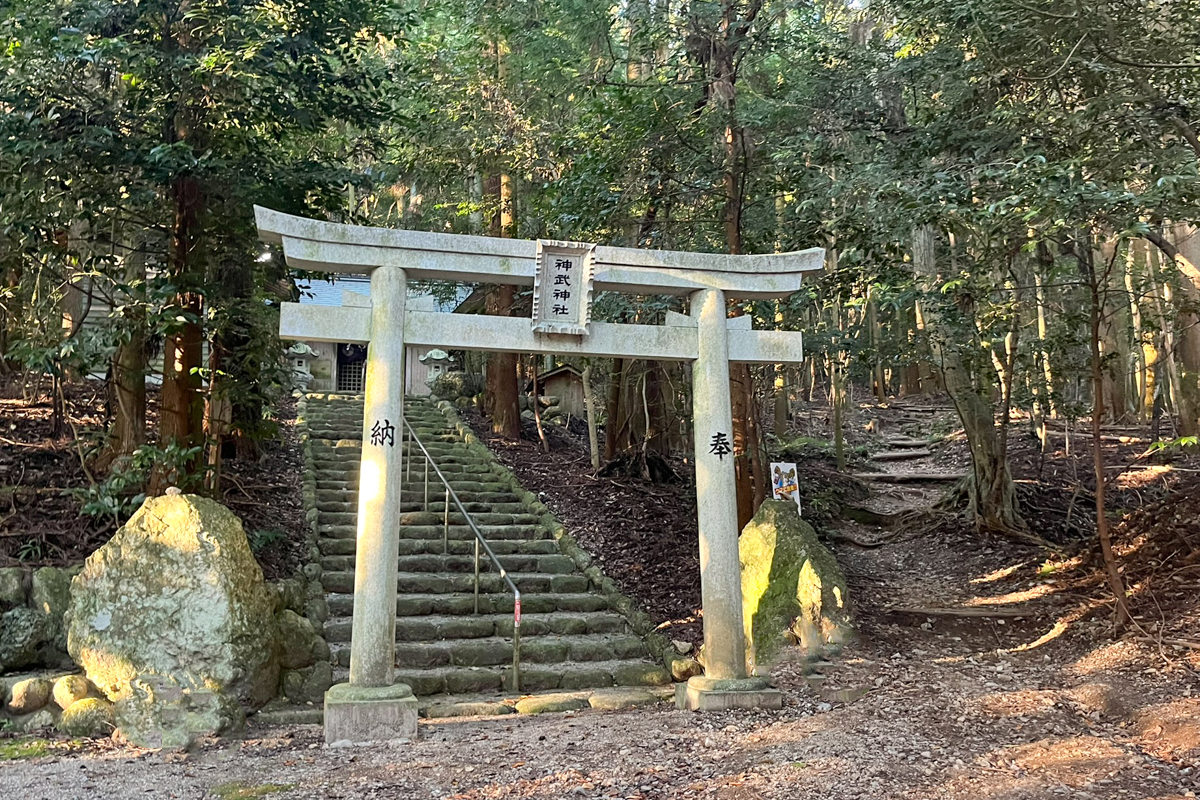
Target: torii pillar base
[(714, 694), (360, 714)]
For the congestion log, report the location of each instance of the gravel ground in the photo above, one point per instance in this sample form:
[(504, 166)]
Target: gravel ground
[(928, 728)]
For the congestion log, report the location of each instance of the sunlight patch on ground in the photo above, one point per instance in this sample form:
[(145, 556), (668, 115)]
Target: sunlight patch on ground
[(1171, 730), (1058, 630), (1075, 761), (997, 575), (1022, 596), (1108, 657), (1142, 477)]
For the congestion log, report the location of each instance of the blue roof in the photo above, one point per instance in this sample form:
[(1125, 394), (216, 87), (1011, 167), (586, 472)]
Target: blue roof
[(318, 292)]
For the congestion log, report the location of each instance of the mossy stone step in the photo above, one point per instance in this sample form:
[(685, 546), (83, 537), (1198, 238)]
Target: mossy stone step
[(416, 604), (462, 545), (497, 651), (333, 456), (463, 488), (427, 562), (534, 677), (489, 583), (437, 492), (414, 500), (348, 471), (458, 531), (441, 627), (445, 440), (413, 514)]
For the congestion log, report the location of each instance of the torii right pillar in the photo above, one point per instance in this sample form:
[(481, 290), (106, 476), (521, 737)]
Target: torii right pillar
[(726, 682)]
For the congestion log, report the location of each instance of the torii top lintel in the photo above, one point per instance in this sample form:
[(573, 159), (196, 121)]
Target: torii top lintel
[(333, 247)]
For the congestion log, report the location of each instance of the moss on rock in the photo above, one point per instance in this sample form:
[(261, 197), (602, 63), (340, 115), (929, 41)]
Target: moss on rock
[(29, 695), (792, 586), (91, 716), (70, 689)]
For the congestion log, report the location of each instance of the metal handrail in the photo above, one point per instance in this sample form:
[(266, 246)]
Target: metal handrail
[(480, 542)]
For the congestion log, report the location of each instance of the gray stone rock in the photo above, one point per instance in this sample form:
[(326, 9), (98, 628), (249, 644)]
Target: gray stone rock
[(172, 621), (29, 695), (317, 609), (468, 709), (684, 668), (618, 699), (308, 685), (792, 586), (548, 703), (69, 690), (36, 721), (50, 596), (22, 632), (91, 716), (291, 594), (289, 715), (12, 588), (161, 711), (297, 640)]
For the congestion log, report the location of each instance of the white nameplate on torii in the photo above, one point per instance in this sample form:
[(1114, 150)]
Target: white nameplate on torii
[(562, 287)]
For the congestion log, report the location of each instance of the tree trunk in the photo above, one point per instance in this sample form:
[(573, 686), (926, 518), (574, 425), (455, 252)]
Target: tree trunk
[(614, 411), (1096, 286), (991, 493), (1186, 239), (876, 343), (181, 410), (502, 391), (1115, 340), (1143, 343), (589, 403), (127, 370)]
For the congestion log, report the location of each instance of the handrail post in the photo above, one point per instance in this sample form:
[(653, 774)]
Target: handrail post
[(408, 454), (517, 643), (427, 460), (476, 574), (446, 522)]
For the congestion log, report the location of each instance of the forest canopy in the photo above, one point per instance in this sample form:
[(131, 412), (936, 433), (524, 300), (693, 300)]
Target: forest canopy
[(1007, 193)]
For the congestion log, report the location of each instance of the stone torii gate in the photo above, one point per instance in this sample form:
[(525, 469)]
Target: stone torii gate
[(564, 275)]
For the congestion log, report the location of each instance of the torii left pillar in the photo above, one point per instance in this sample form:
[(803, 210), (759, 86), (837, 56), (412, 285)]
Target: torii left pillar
[(372, 707)]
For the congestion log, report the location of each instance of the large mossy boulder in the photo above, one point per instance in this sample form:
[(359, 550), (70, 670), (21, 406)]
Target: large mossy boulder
[(173, 622), (792, 587)]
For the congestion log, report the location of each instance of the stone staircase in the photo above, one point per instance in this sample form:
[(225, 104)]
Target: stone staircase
[(571, 637)]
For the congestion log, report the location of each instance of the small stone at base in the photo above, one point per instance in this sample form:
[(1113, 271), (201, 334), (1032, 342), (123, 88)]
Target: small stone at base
[(618, 699)]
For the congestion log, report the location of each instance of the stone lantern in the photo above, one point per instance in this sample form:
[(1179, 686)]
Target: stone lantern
[(299, 355)]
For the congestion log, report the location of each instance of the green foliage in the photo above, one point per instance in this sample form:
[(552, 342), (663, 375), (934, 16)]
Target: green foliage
[(1178, 443), (137, 138), (123, 490), (260, 540), (32, 550), (18, 749)]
